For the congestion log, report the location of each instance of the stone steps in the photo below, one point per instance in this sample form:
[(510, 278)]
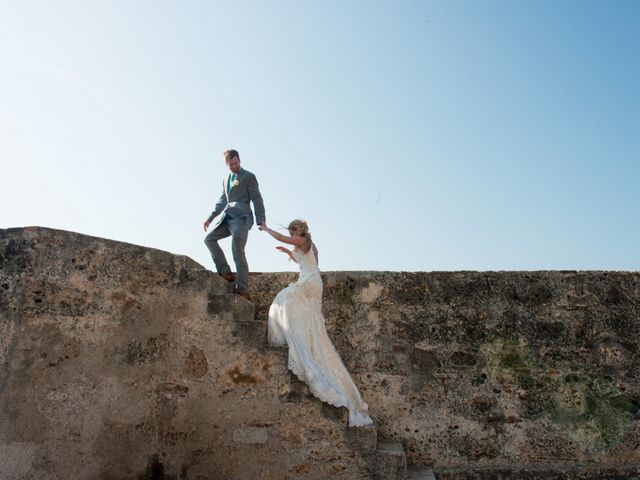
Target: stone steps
[(415, 472), (390, 462), (388, 458), (241, 308), (209, 281)]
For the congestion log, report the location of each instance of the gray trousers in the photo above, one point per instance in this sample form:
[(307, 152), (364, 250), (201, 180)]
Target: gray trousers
[(239, 235)]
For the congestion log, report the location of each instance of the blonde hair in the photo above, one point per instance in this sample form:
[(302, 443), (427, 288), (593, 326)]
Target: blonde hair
[(300, 228)]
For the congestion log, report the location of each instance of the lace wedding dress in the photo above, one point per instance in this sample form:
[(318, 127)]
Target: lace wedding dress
[(296, 319)]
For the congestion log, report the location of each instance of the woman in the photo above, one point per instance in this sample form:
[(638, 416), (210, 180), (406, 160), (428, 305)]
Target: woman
[(296, 319)]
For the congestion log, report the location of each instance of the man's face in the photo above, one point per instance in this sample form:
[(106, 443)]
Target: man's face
[(234, 164)]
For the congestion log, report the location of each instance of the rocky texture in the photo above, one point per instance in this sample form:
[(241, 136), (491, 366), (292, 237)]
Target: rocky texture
[(538, 472), (391, 461), (493, 370), (124, 362)]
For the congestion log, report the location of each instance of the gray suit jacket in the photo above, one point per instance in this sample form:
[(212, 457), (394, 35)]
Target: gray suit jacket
[(234, 205)]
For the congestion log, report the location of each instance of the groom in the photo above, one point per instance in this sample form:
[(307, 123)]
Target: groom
[(236, 219)]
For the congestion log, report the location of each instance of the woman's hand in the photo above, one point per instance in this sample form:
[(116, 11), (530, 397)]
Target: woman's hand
[(288, 252), (263, 227)]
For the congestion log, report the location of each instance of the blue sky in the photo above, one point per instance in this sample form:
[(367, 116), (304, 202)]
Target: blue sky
[(449, 135)]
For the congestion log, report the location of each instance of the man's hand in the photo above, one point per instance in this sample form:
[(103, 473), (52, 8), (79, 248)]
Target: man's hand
[(262, 227), (206, 224)]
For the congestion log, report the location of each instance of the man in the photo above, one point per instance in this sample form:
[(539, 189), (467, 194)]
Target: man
[(235, 218)]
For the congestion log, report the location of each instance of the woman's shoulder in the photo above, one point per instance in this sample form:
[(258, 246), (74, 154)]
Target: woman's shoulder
[(302, 251)]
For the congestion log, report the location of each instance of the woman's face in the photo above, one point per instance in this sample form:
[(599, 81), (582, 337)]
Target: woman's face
[(291, 232)]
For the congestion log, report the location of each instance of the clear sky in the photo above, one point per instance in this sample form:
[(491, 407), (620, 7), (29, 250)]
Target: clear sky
[(426, 135)]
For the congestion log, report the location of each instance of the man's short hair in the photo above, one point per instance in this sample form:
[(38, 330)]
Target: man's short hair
[(229, 154)]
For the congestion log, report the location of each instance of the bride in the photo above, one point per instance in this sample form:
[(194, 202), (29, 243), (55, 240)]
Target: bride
[(296, 319)]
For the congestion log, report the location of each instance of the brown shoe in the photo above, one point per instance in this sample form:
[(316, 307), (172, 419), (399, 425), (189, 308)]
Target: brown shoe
[(229, 277), (245, 295)]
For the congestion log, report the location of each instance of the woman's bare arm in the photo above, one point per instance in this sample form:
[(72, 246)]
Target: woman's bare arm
[(288, 252), (293, 240)]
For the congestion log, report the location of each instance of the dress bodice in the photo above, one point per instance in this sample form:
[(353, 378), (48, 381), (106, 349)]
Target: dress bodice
[(307, 262)]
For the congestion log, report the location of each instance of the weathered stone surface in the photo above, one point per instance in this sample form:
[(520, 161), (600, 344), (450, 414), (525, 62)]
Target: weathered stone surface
[(119, 361), (123, 362), (364, 439), (419, 473), (196, 364), (546, 472), (251, 435), (391, 462), (490, 368)]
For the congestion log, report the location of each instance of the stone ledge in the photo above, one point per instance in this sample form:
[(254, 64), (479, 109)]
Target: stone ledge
[(542, 472)]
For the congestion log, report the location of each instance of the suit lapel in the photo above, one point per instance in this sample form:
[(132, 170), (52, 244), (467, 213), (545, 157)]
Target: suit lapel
[(226, 183), (238, 178)]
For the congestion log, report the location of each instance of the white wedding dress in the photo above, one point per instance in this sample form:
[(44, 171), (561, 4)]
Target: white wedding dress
[(296, 319)]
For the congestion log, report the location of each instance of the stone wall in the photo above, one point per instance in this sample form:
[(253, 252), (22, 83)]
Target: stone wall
[(124, 362), (487, 369)]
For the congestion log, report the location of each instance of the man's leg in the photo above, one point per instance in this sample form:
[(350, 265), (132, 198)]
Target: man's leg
[(211, 241), (238, 241)]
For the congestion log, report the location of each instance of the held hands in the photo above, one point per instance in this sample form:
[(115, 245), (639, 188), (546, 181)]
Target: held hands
[(263, 227)]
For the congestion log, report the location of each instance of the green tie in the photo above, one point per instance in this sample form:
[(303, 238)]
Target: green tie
[(231, 180)]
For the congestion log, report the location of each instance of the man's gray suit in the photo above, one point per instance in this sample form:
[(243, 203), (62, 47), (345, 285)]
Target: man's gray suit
[(235, 218)]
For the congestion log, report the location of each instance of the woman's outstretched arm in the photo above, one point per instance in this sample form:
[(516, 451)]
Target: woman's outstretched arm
[(293, 240)]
